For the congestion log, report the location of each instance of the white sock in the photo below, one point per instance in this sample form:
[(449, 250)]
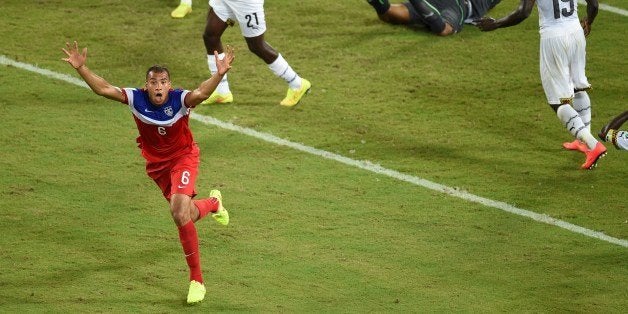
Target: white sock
[(188, 2), (223, 86), (572, 121), (282, 69), (582, 104)]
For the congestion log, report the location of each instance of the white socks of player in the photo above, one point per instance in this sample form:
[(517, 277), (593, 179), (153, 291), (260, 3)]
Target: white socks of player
[(188, 2), (582, 104), (282, 69), (223, 86), (572, 121)]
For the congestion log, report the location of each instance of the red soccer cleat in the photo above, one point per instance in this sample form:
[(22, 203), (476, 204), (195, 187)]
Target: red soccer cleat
[(593, 156), (576, 145)]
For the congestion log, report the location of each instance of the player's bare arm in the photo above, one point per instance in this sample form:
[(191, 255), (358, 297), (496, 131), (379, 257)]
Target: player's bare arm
[(615, 124), (592, 8), (522, 12), (206, 88), (99, 85)]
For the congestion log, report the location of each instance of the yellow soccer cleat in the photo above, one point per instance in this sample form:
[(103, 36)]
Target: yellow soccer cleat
[(216, 98), (294, 95), (221, 215), (181, 11), (196, 293)]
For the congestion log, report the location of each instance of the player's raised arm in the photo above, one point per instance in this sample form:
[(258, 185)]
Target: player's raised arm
[(99, 85), (207, 87), (517, 16)]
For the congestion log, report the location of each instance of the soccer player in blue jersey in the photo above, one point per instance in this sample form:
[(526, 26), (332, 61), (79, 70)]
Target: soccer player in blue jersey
[(172, 157), (441, 17), (250, 16)]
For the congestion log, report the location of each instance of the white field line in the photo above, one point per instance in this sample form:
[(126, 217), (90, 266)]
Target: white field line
[(607, 7), (366, 165)]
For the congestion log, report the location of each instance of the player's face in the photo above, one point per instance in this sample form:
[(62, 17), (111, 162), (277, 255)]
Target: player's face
[(158, 85)]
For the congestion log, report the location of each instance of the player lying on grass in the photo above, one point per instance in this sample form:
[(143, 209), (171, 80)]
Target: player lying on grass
[(612, 134), (441, 17), (172, 157)]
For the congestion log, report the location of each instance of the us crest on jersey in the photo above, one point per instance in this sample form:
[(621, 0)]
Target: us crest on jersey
[(168, 111)]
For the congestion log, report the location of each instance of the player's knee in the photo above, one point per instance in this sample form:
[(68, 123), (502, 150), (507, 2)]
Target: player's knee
[(179, 215), (557, 107), (179, 209)]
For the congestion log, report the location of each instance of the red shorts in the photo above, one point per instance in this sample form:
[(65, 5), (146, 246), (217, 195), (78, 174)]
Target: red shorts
[(176, 176)]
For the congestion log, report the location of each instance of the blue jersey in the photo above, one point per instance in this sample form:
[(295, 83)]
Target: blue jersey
[(164, 130)]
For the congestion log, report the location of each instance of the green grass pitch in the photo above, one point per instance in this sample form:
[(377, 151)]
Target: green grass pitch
[(85, 230)]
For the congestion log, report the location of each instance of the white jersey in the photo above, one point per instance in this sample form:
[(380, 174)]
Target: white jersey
[(557, 17)]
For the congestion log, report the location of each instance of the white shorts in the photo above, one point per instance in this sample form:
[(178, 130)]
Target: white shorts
[(562, 63), (248, 13)]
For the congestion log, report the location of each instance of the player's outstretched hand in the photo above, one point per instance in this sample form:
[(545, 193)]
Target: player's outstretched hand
[(224, 65), (485, 24), (75, 58)]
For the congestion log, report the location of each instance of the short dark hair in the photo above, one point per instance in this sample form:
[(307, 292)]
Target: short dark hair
[(157, 69)]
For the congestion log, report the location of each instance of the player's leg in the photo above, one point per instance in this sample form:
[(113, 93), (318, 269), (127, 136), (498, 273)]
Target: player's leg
[(380, 6), (391, 13), (215, 26), (185, 7), (396, 13), (400, 14), (558, 87), (582, 105), (571, 120), (212, 205), (556, 81), (252, 21), (183, 181), (180, 208), (183, 173), (581, 101), (177, 189), (297, 86)]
